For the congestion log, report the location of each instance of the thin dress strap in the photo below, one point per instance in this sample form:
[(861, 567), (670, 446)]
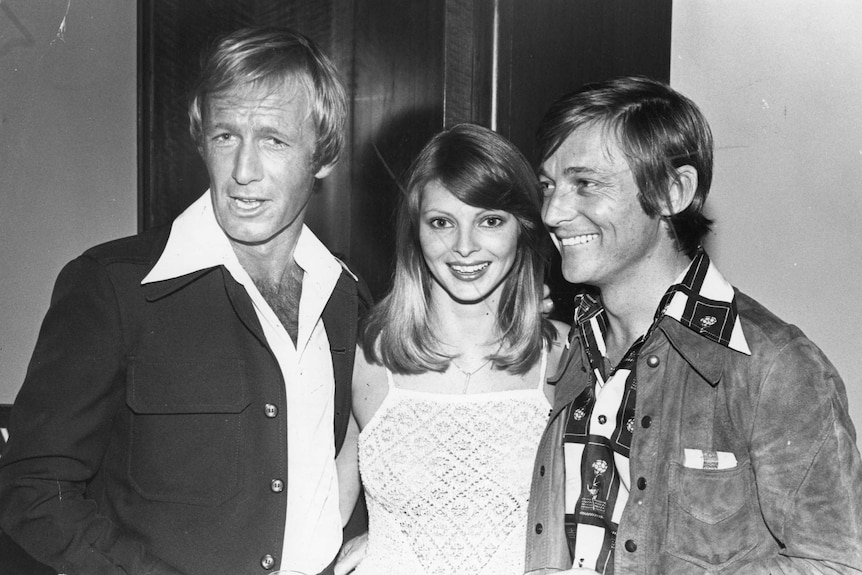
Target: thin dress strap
[(542, 378), (390, 379)]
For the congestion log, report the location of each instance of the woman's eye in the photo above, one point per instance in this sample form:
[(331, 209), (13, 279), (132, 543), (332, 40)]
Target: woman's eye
[(494, 221), (438, 223)]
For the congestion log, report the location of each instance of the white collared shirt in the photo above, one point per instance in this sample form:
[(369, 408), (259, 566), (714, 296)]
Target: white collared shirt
[(313, 528)]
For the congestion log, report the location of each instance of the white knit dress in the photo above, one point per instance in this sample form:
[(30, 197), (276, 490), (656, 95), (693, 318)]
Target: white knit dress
[(447, 479)]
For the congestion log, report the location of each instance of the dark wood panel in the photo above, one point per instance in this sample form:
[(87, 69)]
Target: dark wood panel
[(398, 84), (468, 62), (558, 45)]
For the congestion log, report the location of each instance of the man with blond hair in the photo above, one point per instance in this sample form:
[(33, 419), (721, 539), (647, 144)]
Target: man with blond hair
[(190, 386)]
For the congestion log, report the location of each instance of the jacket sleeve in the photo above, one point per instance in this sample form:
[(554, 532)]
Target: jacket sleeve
[(60, 426), (807, 466)]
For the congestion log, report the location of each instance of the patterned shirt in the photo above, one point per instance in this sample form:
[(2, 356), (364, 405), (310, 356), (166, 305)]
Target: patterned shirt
[(600, 421)]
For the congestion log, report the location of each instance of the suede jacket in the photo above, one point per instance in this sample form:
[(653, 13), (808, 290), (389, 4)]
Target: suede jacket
[(792, 504), (150, 428)]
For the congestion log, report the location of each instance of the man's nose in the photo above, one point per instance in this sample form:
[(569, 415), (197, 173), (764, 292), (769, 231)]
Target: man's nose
[(248, 167), (558, 207)]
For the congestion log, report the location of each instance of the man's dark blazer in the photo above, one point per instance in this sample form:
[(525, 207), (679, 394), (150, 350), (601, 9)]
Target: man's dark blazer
[(150, 432)]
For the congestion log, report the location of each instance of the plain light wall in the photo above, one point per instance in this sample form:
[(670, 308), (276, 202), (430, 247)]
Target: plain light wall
[(781, 84), (68, 152)]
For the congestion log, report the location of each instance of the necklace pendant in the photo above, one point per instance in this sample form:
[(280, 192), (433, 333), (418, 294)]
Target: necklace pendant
[(467, 381)]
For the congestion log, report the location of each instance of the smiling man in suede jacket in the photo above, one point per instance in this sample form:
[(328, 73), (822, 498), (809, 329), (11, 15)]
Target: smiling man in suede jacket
[(693, 431)]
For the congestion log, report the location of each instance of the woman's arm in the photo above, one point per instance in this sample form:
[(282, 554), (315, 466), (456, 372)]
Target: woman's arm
[(347, 468)]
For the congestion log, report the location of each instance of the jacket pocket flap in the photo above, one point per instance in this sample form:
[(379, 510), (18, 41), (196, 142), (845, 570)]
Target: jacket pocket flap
[(162, 387)]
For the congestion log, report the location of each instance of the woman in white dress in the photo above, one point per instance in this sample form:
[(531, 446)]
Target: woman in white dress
[(449, 391)]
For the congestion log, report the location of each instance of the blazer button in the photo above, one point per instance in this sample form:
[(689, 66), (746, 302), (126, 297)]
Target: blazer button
[(641, 483), (542, 471), (602, 419), (270, 410), (277, 485), (646, 421), (631, 546), (267, 561), (653, 361), (539, 528)]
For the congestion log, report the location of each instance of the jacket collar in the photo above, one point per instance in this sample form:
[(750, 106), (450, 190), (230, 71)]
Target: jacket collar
[(196, 243), (699, 317), (697, 314), (157, 290), (703, 301), (705, 356)]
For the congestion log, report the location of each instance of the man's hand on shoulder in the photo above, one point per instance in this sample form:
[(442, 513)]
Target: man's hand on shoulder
[(547, 302)]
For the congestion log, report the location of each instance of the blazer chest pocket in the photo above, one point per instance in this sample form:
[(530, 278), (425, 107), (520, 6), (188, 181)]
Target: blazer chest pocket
[(186, 429), (711, 515)]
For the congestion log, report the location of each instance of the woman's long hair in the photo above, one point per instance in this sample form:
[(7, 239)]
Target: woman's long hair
[(484, 170)]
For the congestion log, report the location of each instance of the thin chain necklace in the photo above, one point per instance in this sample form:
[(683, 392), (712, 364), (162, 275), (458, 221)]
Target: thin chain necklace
[(469, 374)]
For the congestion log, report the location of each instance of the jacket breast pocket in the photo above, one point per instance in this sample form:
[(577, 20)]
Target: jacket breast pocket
[(186, 429), (711, 515)]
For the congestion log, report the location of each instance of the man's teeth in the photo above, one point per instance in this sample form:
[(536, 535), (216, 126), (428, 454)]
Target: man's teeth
[(578, 240), (463, 269), (247, 203)]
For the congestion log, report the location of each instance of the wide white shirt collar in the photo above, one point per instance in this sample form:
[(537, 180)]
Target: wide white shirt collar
[(197, 242)]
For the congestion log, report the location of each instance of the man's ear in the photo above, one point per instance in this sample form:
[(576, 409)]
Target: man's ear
[(324, 171), (682, 190)]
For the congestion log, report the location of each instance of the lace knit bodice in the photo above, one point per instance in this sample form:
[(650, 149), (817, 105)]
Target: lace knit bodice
[(447, 479)]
